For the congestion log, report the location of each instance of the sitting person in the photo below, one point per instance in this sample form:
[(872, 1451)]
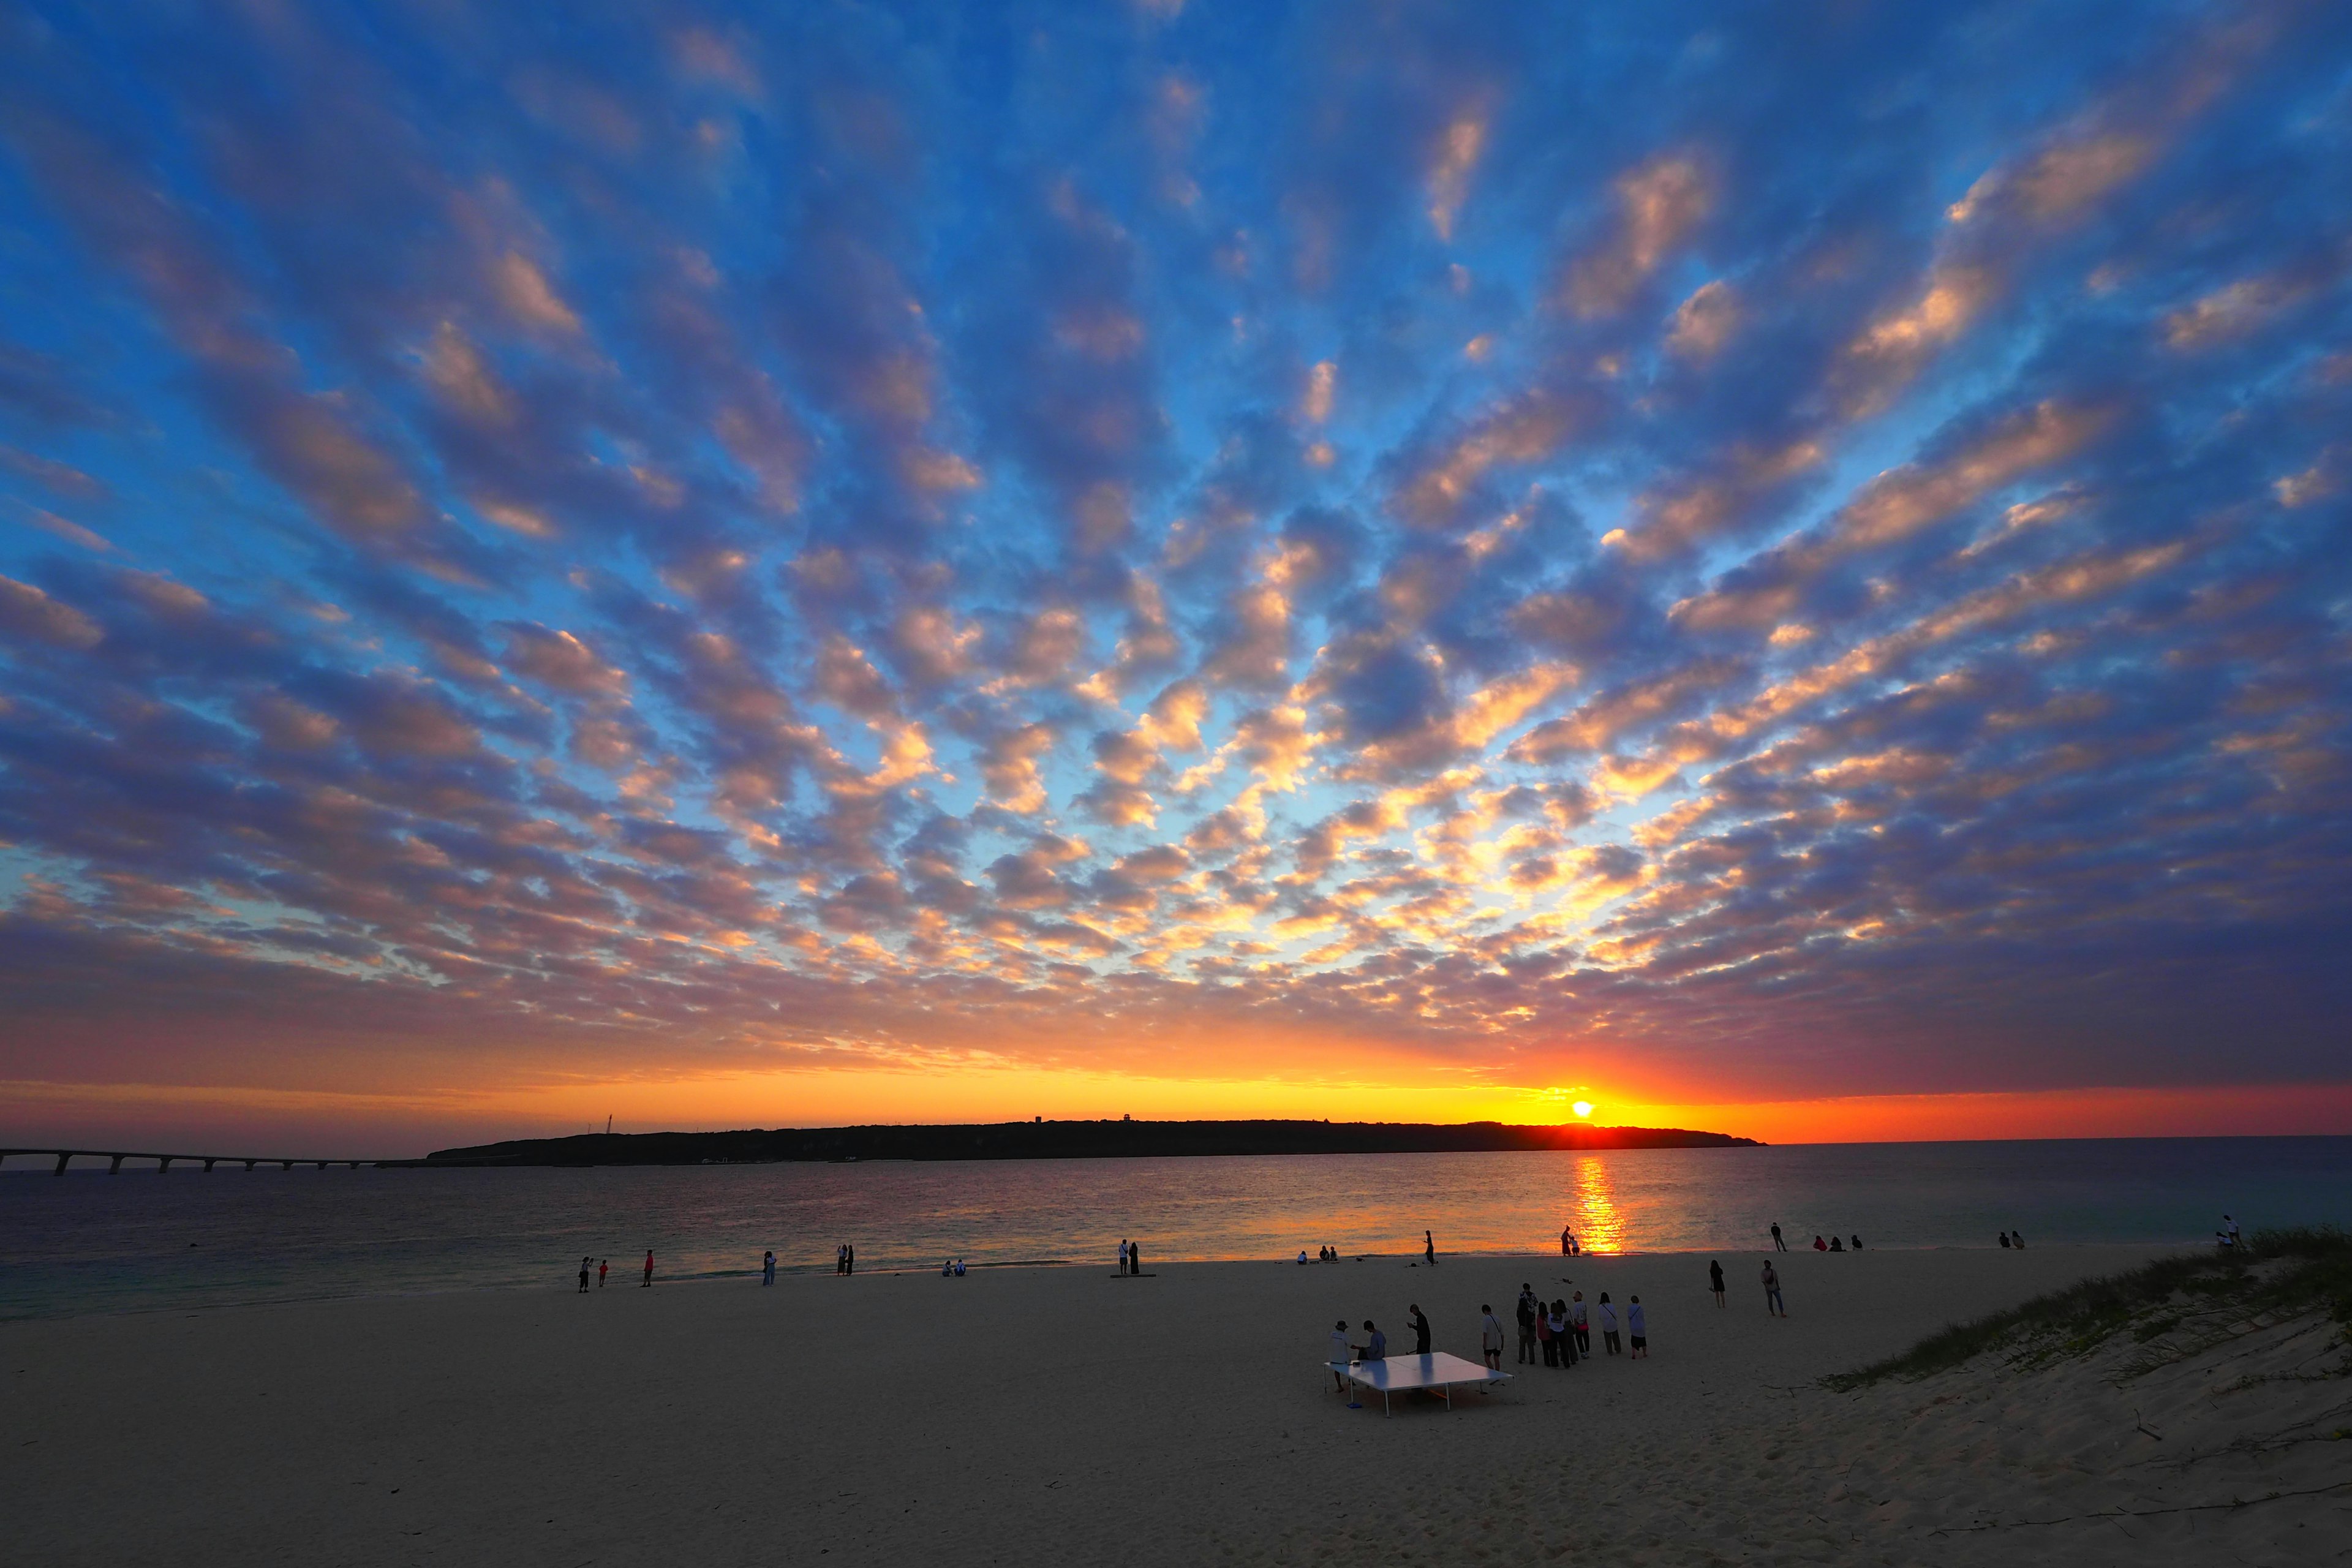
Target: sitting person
[(959, 1267), (1375, 1347), (1302, 1258), (1836, 1245), (2004, 1238), (1857, 1244)]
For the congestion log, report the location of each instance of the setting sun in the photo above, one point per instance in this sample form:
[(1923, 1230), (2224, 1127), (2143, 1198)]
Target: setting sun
[(1582, 1108)]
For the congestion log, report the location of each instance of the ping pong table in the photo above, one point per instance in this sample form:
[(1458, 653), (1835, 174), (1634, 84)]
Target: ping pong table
[(1436, 1371)]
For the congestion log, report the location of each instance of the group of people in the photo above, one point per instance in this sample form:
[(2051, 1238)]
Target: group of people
[(1560, 1332), (599, 1267), (1569, 1246), (845, 1259), (2226, 1238), (2015, 1238), (1830, 1245), (1322, 1255), (1131, 1258), (1345, 1352), (952, 1269)]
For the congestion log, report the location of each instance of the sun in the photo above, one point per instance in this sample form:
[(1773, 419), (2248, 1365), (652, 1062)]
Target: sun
[(1582, 1108)]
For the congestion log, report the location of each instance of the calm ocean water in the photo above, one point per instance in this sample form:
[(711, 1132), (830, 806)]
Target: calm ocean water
[(91, 1242)]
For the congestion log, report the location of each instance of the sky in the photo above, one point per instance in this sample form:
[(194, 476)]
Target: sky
[(1785, 569)]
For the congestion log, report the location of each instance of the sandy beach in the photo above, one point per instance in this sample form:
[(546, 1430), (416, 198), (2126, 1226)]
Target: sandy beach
[(1064, 1415)]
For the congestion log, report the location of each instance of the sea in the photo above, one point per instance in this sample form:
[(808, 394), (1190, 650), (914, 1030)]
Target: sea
[(90, 1241)]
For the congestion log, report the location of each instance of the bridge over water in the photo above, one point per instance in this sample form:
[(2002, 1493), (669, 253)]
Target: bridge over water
[(114, 1159)]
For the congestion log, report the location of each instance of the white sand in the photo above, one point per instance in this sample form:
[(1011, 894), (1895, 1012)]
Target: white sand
[(1066, 1415)]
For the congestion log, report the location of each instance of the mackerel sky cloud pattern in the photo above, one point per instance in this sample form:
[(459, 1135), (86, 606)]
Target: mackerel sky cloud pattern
[(1798, 551)]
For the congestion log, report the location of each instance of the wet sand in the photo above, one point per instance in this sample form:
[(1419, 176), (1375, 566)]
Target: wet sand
[(1024, 1415)]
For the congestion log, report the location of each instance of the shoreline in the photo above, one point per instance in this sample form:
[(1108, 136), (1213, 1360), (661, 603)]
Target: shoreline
[(561, 1284)]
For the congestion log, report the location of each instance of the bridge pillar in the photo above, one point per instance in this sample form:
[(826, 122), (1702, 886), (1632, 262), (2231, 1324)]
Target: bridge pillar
[(116, 1168), (208, 1167), (62, 1158), (162, 1163), (322, 1164), (355, 1164), (285, 1164)]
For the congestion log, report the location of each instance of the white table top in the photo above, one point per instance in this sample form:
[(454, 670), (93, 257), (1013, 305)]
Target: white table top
[(1435, 1370)]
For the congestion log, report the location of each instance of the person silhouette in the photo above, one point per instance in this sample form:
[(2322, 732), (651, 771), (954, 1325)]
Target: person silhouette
[(1429, 1248), (1777, 1245), (649, 1270), (584, 1277), (768, 1268), (601, 1265)]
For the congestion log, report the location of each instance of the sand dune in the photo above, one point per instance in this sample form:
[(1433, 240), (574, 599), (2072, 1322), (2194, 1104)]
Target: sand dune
[(1065, 1416)]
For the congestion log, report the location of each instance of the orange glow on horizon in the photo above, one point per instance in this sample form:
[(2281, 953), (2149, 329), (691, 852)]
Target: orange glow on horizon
[(407, 1123)]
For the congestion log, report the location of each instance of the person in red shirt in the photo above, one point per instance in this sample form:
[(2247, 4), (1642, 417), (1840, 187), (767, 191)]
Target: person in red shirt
[(649, 1270), (601, 1265)]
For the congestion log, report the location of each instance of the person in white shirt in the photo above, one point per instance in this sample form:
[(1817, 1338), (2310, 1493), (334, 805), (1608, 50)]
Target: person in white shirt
[(1637, 1329), (1490, 1338), (1579, 1324), (1341, 1354)]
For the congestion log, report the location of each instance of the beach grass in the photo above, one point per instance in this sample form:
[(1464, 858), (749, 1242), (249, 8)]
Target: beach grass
[(2293, 1271)]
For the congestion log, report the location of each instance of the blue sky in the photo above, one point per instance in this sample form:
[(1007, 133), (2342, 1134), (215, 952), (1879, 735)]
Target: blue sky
[(1724, 552)]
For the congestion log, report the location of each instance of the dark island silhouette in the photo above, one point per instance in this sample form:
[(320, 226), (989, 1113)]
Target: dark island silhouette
[(1042, 1140)]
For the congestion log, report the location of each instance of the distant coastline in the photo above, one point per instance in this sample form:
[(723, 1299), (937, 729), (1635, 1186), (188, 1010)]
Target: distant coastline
[(1040, 1140)]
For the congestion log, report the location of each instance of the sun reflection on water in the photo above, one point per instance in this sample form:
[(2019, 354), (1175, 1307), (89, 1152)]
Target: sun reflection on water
[(1592, 1204)]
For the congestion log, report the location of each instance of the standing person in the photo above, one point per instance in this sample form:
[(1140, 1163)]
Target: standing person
[(849, 1259), (1777, 1245), (1714, 1280), (768, 1268), (1546, 1336), (1565, 1335), (1490, 1337), (1567, 1242), (1526, 1316), (1341, 1354), (601, 1265), (1135, 1257), (2229, 1228), (1122, 1257), (839, 1252), (1609, 1326), (1580, 1323), (1637, 1330), (649, 1270), (584, 1277), (1420, 1328), (1773, 1305), (1429, 1248)]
